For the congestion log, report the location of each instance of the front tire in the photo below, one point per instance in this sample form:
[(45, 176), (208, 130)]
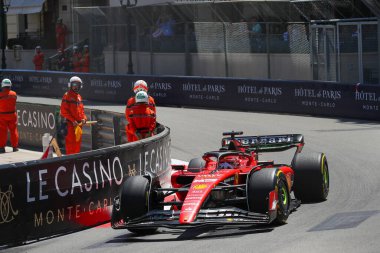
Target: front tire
[(135, 200), (311, 177), (260, 184)]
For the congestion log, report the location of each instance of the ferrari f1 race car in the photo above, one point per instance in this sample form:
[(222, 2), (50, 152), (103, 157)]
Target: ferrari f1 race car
[(230, 186)]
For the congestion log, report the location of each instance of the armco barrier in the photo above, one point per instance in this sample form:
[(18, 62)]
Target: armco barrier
[(48, 197), (36, 119), (300, 97)]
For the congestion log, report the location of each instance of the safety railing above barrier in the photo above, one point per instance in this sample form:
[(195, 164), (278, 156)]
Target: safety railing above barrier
[(299, 97)]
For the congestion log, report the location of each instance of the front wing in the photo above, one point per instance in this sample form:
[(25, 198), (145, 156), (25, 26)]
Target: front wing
[(211, 216)]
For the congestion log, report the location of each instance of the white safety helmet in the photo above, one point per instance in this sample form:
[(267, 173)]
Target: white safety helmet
[(6, 83), (142, 97), (75, 48), (75, 82), (140, 85)]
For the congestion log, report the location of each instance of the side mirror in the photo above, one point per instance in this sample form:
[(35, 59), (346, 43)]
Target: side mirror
[(178, 167)]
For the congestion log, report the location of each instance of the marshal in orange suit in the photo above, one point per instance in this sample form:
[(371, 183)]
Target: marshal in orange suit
[(139, 85), (8, 116), (38, 58), (141, 118), (73, 111)]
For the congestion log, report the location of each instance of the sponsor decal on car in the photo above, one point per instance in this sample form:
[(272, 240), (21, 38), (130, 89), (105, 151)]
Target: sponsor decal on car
[(190, 203), (193, 198), (209, 180), (200, 186), (263, 140), (196, 191), (208, 176)]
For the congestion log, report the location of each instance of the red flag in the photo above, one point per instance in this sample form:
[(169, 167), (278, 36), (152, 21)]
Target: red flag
[(46, 153)]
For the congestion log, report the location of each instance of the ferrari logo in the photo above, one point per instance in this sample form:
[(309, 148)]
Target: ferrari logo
[(200, 186)]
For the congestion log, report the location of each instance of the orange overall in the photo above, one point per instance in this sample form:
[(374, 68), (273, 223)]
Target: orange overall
[(76, 61), (72, 109), (60, 33), (86, 62), (141, 120), (8, 117), (38, 61)]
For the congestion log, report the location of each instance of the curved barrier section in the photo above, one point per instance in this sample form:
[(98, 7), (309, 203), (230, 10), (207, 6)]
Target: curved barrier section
[(47, 197), (36, 119), (299, 97)]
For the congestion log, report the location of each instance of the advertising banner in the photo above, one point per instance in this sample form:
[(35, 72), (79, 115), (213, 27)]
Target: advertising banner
[(52, 196), (300, 97), (33, 121)]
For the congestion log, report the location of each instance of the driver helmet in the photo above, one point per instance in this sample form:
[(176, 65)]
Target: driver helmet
[(6, 83), (142, 97), (228, 162), (75, 84), (140, 85)]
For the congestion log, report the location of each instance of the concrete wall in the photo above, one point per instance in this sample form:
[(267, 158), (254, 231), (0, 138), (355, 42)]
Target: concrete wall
[(248, 65), (291, 67), (24, 61), (283, 66)]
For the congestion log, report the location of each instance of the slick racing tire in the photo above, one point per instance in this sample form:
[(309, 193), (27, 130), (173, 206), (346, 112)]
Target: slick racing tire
[(115, 215), (311, 177), (260, 184), (134, 201)]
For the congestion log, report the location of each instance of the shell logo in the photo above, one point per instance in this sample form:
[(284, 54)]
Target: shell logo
[(200, 186)]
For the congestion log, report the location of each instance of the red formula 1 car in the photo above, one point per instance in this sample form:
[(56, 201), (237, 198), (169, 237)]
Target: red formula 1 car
[(230, 186)]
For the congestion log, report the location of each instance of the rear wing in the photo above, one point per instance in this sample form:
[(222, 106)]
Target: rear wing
[(267, 143)]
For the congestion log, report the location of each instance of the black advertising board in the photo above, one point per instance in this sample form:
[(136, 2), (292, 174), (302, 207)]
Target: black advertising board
[(115, 88), (53, 196), (33, 120), (300, 97), (34, 83)]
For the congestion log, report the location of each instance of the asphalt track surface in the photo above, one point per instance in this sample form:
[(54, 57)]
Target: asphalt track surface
[(352, 210)]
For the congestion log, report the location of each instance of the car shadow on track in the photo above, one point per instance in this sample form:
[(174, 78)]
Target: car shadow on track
[(201, 233)]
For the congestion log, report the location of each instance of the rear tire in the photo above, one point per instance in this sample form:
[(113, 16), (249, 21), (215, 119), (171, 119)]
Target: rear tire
[(260, 184), (134, 201), (311, 177)]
